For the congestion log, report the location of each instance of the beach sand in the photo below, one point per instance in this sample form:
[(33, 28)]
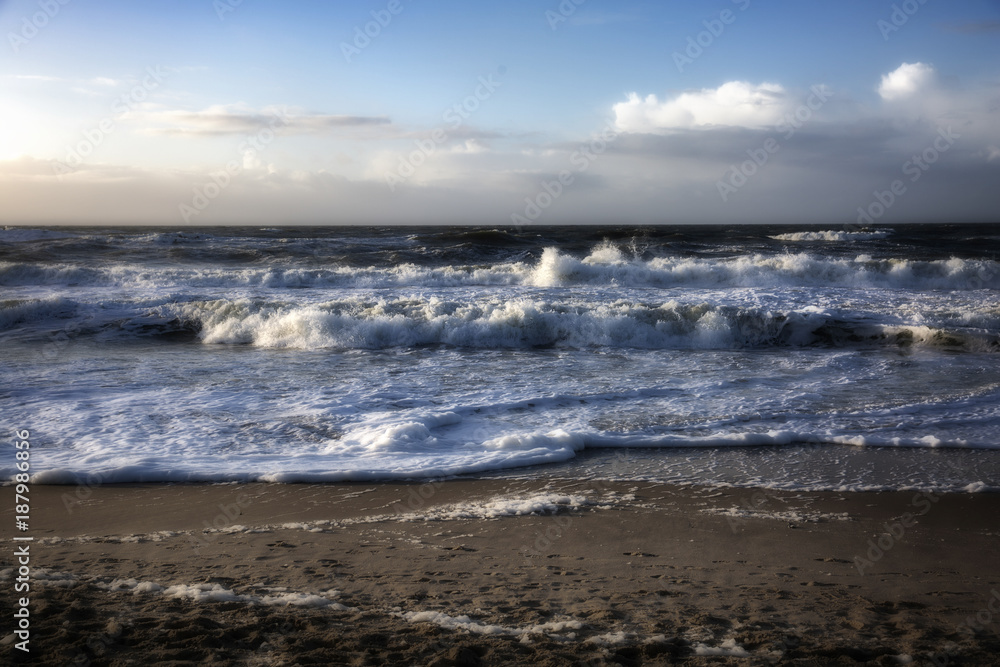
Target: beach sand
[(461, 573)]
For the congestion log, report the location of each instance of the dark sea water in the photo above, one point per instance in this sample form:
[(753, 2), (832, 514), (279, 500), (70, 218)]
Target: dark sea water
[(794, 357)]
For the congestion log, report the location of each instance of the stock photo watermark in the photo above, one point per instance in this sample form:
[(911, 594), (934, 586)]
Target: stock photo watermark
[(218, 181), (551, 190), (22, 543), (697, 44), (978, 622), (34, 24), (226, 518), (750, 505), (915, 167), (559, 524), (82, 492), (95, 136), (565, 10), (899, 17), (895, 531), (59, 341), (418, 497), (223, 7), (454, 117), (364, 35), (740, 174)]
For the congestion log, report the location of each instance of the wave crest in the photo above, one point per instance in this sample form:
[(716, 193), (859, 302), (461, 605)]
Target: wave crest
[(834, 236), (606, 265), (527, 323)]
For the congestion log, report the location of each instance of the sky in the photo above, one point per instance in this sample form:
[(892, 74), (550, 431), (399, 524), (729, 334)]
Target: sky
[(204, 112)]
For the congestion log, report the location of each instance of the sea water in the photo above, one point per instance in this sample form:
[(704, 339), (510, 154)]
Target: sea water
[(787, 357)]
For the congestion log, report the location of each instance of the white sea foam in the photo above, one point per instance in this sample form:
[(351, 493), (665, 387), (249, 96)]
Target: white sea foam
[(609, 638), (488, 323), (130, 584), (539, 504), (466, 624), (554, 268), (421, 441), (218, 593), (727, 648), (246, 361), (800, 516), (50, 577), (45, 577), (833, 235), (520, 323), (511, 324), (504, 506)]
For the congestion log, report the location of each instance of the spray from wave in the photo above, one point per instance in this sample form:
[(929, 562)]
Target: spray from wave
[(606, 265)]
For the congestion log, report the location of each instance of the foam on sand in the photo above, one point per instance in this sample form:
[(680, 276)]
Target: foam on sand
[(466, 624), (210, 592), (726, 648), (800, 516), (539, 504)]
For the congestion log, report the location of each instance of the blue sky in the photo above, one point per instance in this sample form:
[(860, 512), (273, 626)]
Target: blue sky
[(335, 137)]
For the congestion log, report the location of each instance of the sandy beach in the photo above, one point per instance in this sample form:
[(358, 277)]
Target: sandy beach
[(487, 572)]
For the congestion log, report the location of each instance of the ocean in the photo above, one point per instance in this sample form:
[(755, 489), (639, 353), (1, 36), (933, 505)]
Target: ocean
[(758, 356)]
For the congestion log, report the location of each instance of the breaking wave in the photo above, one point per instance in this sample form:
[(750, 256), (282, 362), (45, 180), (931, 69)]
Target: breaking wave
[(605, 265), (833, 236), (489, 323)]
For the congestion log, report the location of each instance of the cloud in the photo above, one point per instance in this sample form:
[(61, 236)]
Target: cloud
[(664, 166), (828, 161), (822, 175), (733, 104), (238, 119), (906, 81), (463, 133), (470, 146)]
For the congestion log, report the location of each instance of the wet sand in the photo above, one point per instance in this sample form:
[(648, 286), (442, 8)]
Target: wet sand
[(471, 572)]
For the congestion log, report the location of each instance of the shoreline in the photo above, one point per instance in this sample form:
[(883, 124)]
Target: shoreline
[(509, 571), (871, 468)]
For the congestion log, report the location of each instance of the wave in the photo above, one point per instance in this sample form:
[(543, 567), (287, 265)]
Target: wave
[(833, 236), (454, 443), (492, 322), (24, 235), (15, 312), (609, 265), (524, 323), (606, 265)]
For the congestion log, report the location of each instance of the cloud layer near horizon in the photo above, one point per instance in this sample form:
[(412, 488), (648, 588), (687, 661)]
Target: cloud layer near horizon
[(658, 160)]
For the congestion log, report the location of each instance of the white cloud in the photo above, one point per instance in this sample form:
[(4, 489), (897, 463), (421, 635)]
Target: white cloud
[(733, 104), (224, 119), (665, 166), (905, 81), (470, 146)]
